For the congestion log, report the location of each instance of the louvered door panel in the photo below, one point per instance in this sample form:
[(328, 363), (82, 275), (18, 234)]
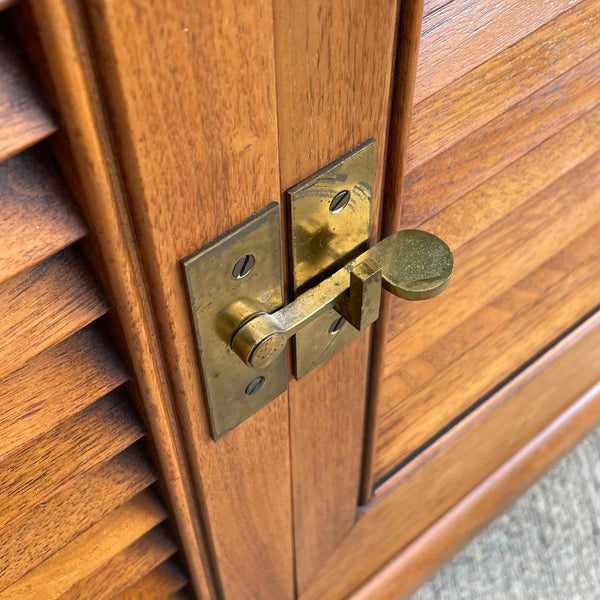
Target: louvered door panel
[(504, 164), (161, 582), (80, 516)]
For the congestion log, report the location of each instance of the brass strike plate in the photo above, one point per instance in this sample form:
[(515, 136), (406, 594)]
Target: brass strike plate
[(244, 263), (330, 223)]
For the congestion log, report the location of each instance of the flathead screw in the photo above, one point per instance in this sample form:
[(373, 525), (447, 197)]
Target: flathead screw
[(254, 386), (339, 202), (243, 266), (336, 325)]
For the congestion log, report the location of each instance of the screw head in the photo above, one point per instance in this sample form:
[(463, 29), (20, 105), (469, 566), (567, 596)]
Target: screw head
[(243, 266), (339, 202), (336, 325), (254, 386)]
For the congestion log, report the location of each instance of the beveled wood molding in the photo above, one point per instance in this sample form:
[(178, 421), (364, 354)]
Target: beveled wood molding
[(417, 563), (60, 27), (407, 53)]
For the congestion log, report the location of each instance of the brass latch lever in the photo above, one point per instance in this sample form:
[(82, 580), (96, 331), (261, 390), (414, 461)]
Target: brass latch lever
[(411, 264)]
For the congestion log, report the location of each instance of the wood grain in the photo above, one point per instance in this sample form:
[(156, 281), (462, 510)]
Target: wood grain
[(478, 97), (86, 153), (439, 182), (503, 339), (37, 215), (431, 6), (42, 530), (493, 334), (89, 438), (160, 583), (89, 551), (216, 137), (428, 553), (464, 34), (122, 570), (24, 115), (462, 458), (55, 385), (465, 224), (408, 38), (44, 305), (334, 65)]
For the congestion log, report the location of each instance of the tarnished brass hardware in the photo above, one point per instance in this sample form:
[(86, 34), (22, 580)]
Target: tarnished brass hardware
[(244, 264), (329, 225), (236, 297), (411, 264)]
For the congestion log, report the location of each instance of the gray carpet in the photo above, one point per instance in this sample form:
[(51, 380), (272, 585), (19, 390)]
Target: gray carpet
[(545, 547)]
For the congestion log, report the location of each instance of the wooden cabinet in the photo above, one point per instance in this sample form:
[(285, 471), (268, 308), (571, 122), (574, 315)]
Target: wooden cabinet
[(135, 133)]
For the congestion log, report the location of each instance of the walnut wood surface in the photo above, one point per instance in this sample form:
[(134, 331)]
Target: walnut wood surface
[(533, 293), (461, 459), (160, 583), (428, 553), (494, 194), (216, 139), (334, 63), (464, 34), (37, 215), (439, 182), (482, 94), (37, 533), (87, 439), (122, 570), (86, 154), (44, 305), (55, 385), (24, 115), (90, 551)]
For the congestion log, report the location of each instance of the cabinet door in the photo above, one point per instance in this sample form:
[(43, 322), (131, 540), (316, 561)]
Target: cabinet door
[(217, 108)]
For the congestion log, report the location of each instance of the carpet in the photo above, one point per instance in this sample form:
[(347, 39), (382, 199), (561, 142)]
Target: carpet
[(545, 547)]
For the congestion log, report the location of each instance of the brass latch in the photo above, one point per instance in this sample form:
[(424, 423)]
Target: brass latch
[(411, 264), (236, 294)]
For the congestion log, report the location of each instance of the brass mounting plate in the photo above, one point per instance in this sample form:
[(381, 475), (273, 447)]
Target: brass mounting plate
[(323, 240), (212, 287)]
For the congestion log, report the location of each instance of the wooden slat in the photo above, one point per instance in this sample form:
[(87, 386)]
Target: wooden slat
[(90, 551), (418, 562), (54, 385), (92, 436), (334, 63), (478, 97), (425, 489), (162, 582), (492, 344), (514, 194), (464, 34), (430, 6), (229, 120), (125, 568), (56, 28), (44, 305), (37, 214), (42, 530), (24, 116), (422, 392), (440, 181)]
